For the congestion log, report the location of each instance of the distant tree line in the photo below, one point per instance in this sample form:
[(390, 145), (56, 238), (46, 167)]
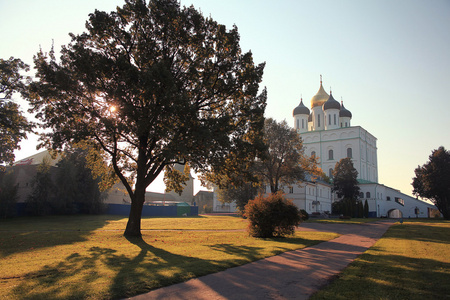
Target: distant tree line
[(74, 186)]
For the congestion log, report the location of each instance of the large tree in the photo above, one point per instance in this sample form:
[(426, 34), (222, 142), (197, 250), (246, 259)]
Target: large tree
[(153, 84), (432, 180), (13, 124)]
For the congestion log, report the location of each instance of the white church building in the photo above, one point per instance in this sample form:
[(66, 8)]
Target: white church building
[(328, 134)]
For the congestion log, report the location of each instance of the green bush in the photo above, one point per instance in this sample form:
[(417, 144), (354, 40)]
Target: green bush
[(304, 215), (272, 216)]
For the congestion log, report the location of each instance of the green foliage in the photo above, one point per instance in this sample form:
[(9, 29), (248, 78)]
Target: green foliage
[(238, 194), (42, 197), (432, 180), (8, 195), (366, 209), (272, 216), (13, 125), (360, 210), (345, 184), (304, 215), (181, 90), (283, 163), (74, 186), (78, 190), (175, 180)]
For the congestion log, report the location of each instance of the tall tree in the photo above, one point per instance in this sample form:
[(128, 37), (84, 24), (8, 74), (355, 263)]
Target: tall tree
[(13, 124), (345, 184), (153, 85), (432, 180), (283, 163)]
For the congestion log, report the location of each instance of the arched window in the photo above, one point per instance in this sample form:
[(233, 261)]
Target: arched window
[(318, 120), (361, 195), (330, 173), (368, 195), (303, 123), (298, 123), (349, 153), (330, 154), (313, 154), (329, 121)]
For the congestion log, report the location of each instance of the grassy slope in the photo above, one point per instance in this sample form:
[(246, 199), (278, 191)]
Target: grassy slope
[(411, 261), (86, 257)]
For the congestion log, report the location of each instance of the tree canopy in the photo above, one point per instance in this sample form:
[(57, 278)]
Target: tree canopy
[(345, 184), (432, 180), (283, 163), (345, 181), (13, 124), (153, 85)]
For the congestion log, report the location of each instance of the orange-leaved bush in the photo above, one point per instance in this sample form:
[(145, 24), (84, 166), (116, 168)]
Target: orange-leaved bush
[(271, 216)]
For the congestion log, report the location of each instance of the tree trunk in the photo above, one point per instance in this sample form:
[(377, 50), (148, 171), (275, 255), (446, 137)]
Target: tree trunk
[(134, 220)]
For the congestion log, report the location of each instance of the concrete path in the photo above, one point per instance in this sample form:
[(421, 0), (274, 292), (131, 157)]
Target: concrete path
[(291, 275)]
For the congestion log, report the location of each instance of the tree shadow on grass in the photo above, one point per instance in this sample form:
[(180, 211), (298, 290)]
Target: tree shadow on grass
[(104, 273), (421, 232), (248, 254), (32, 233)]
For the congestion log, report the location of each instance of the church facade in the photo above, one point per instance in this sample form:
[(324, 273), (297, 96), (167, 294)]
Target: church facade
[(328, 134)]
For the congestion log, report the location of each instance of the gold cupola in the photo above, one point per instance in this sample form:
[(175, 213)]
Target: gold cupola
[(320, 97)]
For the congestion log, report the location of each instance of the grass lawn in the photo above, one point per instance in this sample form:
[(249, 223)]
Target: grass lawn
[(343, 221), (87, 257), (411, 261)]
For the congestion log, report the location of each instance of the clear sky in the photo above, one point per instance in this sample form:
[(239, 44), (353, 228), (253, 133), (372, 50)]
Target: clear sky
[(389, 60)]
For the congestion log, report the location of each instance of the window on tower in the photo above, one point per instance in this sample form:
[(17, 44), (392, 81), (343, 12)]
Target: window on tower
[(330, 173), (298, 123), (349, 153), (313, 153), (318, 120), (330, 154)]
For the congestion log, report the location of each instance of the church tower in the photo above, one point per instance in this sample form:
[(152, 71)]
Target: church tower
[(331, 110), (317, 114), (301, 115), (330, 137)]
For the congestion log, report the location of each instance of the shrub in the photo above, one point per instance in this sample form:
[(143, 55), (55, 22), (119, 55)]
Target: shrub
[(272, 216), (304, 215)]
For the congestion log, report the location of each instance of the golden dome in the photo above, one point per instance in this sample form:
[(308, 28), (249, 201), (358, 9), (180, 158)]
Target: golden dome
[(321, 97)]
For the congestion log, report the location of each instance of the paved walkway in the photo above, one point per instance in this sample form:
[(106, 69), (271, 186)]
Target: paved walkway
[(291, 275)]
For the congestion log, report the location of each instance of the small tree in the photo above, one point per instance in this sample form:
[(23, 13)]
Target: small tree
[(40, 200), (272, 216), (8, 195), (432, 180), (366, 209)]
